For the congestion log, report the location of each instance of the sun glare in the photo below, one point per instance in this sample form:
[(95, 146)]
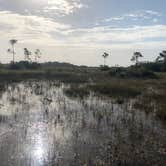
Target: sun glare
[(38, 152)]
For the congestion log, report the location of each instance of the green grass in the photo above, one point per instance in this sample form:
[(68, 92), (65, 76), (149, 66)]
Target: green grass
[(149, 93), (161, 113), (102, 83), (76, 91), (115, 90), (64, 76)]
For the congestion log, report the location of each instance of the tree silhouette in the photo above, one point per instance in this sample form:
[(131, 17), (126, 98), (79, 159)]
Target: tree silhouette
[(105, 56), (135, 57), (12, 50), (27, 54), (161, 57), (37, 54)]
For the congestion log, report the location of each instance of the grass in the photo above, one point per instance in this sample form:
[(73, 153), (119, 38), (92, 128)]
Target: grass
[(102, 83), (64, 76), (161, 113), (75, 91), (150, 94), (115, 90)]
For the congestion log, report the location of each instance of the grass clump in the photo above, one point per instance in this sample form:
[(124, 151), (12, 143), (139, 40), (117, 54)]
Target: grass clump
[(76, 91), (115, 90), (132, 72), (161, 113)]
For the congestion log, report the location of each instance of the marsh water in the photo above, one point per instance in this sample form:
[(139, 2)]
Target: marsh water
[(41, 126)]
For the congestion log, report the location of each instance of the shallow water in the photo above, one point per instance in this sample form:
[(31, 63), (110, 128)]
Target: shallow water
[(40, 125)]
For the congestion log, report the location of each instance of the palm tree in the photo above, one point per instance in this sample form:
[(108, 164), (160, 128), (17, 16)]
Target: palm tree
[(37, 54), (105, 56), (12, 51), (161, 57), (27, 54), (135, 57)]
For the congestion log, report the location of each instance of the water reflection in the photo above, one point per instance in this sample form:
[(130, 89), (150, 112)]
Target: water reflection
[(40, 126)]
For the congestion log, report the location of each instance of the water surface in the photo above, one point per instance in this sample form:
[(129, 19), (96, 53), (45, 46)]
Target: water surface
[(41, 126)]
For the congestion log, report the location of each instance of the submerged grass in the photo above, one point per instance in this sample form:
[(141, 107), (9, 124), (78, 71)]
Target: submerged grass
[(102, 83), (149, 95)]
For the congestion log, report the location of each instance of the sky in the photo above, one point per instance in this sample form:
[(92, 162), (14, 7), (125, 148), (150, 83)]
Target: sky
[(79, 31)]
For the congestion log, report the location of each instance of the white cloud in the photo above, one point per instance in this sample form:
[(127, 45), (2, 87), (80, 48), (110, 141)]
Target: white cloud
[(64, 42), (47, 32), (108, 35), (42, 7), (31, 29), (153, 13), (155, 20), (137, 15), (63, 7)]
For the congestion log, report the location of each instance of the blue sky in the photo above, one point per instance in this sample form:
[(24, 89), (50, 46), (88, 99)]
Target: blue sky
[(79, 31)]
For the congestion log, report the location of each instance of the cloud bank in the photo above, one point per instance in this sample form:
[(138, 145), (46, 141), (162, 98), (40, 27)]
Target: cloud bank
[(52, 23)]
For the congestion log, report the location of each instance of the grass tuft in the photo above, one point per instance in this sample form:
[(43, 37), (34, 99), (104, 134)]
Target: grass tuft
[(115, 90)]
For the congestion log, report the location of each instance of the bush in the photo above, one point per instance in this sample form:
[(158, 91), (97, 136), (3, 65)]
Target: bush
[(117, 71), (141, 73), (155, 67), (133, 72), (22, 65), (104, 68), (75, 91), (115, 90), (161, 113)]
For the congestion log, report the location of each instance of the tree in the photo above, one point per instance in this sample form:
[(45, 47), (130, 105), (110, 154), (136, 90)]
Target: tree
[(161, 57), (135, 57), (12, 50), (105, 56), (27, 54), (37, 54)]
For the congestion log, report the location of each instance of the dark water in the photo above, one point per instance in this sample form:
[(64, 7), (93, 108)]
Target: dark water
[(40, 126)]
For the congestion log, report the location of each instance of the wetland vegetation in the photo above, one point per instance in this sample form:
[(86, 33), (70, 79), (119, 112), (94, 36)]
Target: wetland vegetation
[(83, 83), (72, 115), (43, 123), (62, 114)]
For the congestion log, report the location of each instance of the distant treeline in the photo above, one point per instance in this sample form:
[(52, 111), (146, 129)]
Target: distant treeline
[(24, 65), (143, 70)]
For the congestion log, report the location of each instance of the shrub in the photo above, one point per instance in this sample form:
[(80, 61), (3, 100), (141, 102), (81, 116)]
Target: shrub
[(76, 91), (117, 71), (155, 67), (104, 68), (132, 72), (22, 65), (115, 90), (141, 73), (161, 113)]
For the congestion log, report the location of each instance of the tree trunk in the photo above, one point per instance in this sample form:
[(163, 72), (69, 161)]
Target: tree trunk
[(136, 61), (104, 62), (13, 53)]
